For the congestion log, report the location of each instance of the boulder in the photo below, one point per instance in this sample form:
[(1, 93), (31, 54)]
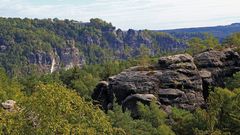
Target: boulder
[(9, 105), (131, 101)]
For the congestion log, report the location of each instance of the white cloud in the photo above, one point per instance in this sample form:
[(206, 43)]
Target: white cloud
[(137, 14)]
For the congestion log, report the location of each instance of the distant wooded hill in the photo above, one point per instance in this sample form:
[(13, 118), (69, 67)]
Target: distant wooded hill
[(219, 32)]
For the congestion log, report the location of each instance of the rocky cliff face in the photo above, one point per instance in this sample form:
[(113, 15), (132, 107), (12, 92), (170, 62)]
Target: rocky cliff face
[(214, 66), (180, 80), (135, 39), (58, 58)]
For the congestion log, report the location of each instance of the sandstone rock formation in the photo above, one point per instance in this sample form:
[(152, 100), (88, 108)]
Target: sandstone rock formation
[(58, 58), (180, 80), (214, 66)]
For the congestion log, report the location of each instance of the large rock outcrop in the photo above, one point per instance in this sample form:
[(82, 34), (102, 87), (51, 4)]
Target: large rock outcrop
[(180, 80), (214, 66)]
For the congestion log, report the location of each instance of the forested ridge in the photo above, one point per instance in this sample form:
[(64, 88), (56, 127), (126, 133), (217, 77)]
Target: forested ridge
[(47, 45), (33, 45), (61, 102), (219, 32)]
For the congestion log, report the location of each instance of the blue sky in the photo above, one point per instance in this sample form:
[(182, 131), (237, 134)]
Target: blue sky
[(125, 14)]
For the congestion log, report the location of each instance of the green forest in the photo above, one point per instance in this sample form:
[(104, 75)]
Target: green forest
[(25, 43), (60, 103)]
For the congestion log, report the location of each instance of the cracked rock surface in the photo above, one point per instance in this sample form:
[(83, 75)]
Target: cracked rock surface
[(180, 80)]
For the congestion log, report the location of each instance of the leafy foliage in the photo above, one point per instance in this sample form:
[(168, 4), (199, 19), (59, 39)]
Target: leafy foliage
[(9, 89), (197, 45), (233, 40), (142, 126), (220, 118), (67, 112), (53, 109), (233, 82)]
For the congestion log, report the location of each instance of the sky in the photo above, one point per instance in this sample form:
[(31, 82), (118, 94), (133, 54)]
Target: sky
[(134, 14)]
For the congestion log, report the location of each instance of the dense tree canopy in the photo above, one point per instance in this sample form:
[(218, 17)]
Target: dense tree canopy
[(53, 109), (197, 45), (233, 40), (97, 42)]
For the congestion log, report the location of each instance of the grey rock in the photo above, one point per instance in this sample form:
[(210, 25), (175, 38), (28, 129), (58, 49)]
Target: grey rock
[(180, 80), (205, 74), (9, 105), (57, 58), (170, 92), (132, 82), (214, 66), (131, 101), (3, 48), (103, 96), (167, 62)]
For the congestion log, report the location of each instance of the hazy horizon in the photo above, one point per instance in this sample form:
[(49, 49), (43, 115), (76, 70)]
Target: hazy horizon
[(130, 14)]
